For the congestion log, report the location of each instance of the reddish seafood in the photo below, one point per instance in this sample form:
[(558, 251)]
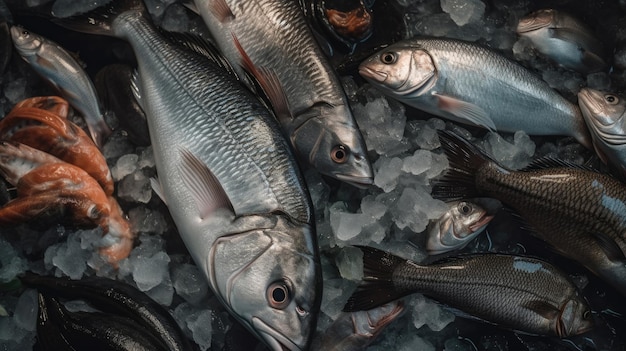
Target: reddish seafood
[(356, 23), (41, 122)]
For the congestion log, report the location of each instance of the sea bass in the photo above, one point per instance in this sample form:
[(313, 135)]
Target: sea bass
[(228, 178), (273, 35), (564, 39), (519, 293), (581, 213), (467, 83), (59, 68), (457, 227), (605, 114)]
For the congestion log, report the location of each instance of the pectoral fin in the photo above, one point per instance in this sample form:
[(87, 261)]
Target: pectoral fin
[(465, 111), (221, 10), (543, 308), (156, 186), (609, 247), (565, 34), (204, 186)]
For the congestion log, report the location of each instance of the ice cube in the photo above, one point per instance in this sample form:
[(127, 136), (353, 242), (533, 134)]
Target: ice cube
[(148, 272), (145, 220), (135, 187), (347, 225), (175, 19), (25, 314), (387, 171), (418, 163), (162, 293), (200, 326), (189, 283), (10, 263), (124, 166), (350, 263), (68, 256), (463, 12), (513, 155), (427, 312), (15, 90)]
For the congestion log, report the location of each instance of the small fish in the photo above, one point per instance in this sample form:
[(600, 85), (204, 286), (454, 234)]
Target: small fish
[(469, 84), (228, 177), (116, 298), (6, 44), (605, 114), (581, 213), (59, 68), (60, 329), (457, 227), (564, 39), (41, 123), (354, 331), (519, 293), (316, 117)]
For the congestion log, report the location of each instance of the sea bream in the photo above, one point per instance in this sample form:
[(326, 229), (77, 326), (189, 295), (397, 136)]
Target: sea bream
[(579, 212), (59, 68), (605, 114), (470, 84), (316, 118), (228, 178)]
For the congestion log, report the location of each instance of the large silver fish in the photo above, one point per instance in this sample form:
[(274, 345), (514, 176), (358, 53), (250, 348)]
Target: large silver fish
[(519, 293), (605, 114), (228, 178), (274, 35), (469, 84), (564, 39), (59, 68), (462, 222), (580, 213)]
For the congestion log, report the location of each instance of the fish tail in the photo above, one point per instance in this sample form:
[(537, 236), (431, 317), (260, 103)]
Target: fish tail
[(100, 20), (465, 160), (377, 287)]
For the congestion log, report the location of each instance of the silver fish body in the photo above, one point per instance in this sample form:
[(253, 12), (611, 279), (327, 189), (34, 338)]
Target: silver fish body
[(229, 180), (519, 293), (59, 68), (564, 39), (605, 114), (470, 84), (275, 36), (462, 222)]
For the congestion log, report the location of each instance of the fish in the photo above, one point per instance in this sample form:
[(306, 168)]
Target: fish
[(60, 329), (316, 117), (41, 122), (469, 84), (564, 39), (605, 115), (514, 292), (354, 331), (228, 178), (115, 298), (64, 73), (350, 21), (579, 212), (458, 226), (6, 44)]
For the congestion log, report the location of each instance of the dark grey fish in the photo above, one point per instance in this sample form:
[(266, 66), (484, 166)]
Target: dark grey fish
[(519, 293), (6, 44), (581, 213)]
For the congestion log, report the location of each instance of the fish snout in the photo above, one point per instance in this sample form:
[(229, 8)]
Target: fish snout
[(372, 74)]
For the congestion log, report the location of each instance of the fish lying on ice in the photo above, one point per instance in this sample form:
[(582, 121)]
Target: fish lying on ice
[(581, 213), (458, 226), (469, 84), (228, 178), (519, 293), (605, 114), (564, 39), (59, 68), (317, 119)]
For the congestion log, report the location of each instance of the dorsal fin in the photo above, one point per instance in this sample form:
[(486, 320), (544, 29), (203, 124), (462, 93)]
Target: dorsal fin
[(552, 162)]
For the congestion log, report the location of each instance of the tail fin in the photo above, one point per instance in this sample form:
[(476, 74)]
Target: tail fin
[(99, 20), (465, 159), (378, 287)]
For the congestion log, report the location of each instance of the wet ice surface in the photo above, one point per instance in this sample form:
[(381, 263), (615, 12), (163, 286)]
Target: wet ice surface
[(392, 214)]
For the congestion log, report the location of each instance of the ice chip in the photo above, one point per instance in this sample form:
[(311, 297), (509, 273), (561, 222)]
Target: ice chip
[(145, 220), (124, 166), (162, 293), (427, 312), (200, 326), (135, 187), (418, 163), (387, 171), (189, 283), (15, 90), (10, 263), (350, 263), (148, 272), (513, 155), (371, 207), (463, 12), (348, 225), (69, 257), (25, 314), (175, 19)]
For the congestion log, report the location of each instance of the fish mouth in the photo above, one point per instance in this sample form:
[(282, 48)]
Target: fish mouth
[(274, 339), (359, 182), (481, 223), (369, 73)]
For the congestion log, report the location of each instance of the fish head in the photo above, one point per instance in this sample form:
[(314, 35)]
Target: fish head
[(605, 115), (333, 146), (458, 226), (270, 279), (26, 42), (404, 70), (537, 20), (574, 318)]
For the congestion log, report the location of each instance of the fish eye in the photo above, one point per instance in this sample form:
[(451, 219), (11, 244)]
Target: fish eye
[(587, 314), (25, 33), (278, 295), (465, 208), (389, 58), (339, 154), (611, 99)]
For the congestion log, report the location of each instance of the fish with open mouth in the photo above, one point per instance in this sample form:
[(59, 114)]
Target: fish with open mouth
[(605, 114), (59, 68), (316, 117), (469, 84), (228, 178)]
